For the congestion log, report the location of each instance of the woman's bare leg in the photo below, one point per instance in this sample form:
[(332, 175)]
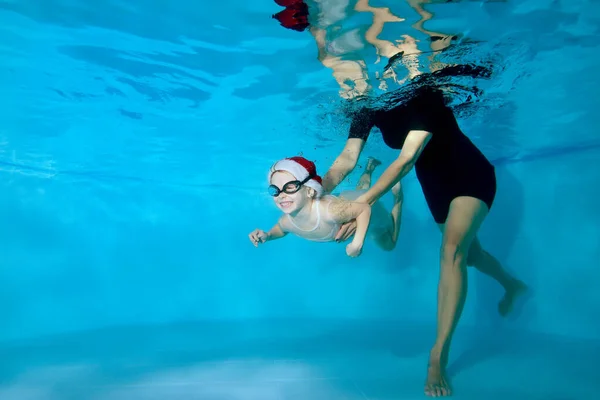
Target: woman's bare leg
[(488, 264), (464, 219), (461, 247)]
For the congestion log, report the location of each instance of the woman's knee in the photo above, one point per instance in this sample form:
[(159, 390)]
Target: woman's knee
[(453, 252)]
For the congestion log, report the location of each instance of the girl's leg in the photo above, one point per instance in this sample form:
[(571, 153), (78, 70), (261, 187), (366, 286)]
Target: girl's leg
[(388, 239), (364, 183)]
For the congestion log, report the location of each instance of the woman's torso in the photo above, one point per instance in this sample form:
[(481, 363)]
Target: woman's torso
[(448, 145)]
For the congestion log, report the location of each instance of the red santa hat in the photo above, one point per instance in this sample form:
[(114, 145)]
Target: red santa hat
[(301, 169)]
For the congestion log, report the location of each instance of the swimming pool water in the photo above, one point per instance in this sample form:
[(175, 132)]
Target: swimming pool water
[(134, 145)]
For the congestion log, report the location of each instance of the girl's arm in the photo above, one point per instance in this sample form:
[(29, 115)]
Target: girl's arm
[(258, 236), (342, 211), (277, 231)]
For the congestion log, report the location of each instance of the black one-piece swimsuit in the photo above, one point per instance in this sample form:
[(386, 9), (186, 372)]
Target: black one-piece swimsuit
[(449, 166)]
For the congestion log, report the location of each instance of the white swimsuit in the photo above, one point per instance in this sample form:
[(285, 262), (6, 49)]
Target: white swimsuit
[(323, 231)]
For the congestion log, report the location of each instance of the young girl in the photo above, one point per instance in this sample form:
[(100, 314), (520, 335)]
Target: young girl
[(297, 191)]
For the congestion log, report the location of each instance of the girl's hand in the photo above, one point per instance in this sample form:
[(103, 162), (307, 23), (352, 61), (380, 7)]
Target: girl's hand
[(258, 236), (354, 249)]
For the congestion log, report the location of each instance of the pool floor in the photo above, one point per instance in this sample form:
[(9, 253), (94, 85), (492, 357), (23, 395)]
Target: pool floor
[(293, 360)]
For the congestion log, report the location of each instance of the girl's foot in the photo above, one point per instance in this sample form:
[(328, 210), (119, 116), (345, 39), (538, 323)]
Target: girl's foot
[(372, 163)]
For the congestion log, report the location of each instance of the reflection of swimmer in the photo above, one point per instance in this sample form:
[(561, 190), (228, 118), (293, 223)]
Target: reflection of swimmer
[(297, 191), (391, 50), (349, 68), (334, 45), (459, 184), (338, 49), (403, 52), (437, 41), (351, 75), (294, 16)]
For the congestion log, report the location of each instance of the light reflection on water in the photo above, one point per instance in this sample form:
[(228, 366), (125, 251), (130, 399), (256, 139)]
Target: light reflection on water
[(348, 34), (75, 76)]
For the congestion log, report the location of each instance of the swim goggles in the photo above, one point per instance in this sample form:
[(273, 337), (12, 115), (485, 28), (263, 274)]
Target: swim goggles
[(290, 187)]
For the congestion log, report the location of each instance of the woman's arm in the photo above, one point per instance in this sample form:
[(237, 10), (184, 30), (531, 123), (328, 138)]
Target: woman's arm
[(343, 164), (413, 145), (342, 211)]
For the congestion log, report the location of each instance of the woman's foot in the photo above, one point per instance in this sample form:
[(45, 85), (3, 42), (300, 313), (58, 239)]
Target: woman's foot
[(506, 305), (437, 384)]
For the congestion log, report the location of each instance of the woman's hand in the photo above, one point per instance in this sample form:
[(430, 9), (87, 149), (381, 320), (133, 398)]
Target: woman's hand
[(346, 231), (349, 228)]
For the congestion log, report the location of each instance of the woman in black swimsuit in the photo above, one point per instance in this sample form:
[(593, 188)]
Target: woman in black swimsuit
[(459, 184)]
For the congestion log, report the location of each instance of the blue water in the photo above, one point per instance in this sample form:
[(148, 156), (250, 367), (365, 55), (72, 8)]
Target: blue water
[(134, 146)]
